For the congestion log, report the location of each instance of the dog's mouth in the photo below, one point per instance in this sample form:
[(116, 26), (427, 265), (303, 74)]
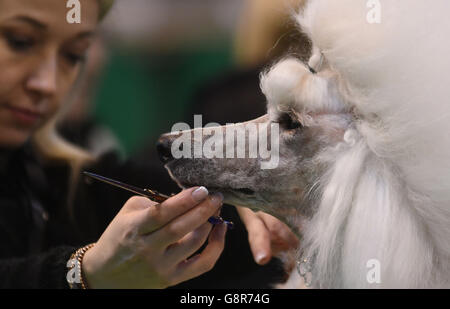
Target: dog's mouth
[(247, 192), (239, 192), (231, 193)]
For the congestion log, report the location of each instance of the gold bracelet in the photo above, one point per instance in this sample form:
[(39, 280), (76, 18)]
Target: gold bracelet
[(75, 264)]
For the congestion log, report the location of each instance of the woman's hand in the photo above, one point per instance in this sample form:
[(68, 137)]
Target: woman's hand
[(267, 235), (147, 245)]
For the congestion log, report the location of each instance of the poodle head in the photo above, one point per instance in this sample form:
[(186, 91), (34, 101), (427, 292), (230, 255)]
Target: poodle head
[(305, 115)]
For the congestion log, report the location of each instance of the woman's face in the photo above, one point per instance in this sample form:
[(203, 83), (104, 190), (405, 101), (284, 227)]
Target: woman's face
[(40, 58)]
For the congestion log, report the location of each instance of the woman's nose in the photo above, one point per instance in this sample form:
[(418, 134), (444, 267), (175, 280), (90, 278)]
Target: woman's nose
[(43, 79)]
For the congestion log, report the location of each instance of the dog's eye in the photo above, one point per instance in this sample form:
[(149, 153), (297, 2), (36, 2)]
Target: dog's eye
[(289, 122)]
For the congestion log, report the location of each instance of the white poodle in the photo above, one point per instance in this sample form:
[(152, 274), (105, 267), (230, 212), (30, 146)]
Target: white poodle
[(364, 147)]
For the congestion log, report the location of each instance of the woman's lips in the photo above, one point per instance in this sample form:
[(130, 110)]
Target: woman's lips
[(25, 116)]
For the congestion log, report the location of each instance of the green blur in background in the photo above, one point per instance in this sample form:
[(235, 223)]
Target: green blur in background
[(142, 95)]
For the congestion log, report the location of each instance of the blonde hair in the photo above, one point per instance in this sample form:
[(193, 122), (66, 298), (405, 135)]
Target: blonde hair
[(47, 140), (52, 147)]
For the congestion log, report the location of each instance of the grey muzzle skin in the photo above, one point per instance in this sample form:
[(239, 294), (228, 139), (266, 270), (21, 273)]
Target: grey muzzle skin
[(285, 191)]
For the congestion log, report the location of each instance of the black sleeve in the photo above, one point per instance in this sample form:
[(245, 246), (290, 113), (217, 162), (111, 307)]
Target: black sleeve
[(42, 271)]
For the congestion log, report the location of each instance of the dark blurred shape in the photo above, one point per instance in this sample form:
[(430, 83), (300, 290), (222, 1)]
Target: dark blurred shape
[(231, 98)]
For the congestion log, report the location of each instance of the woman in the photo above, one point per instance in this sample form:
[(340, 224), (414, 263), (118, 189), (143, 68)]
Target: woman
[(144, 245)]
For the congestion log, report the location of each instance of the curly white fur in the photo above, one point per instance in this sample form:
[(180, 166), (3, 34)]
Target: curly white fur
[(364, 160), (386, 195)]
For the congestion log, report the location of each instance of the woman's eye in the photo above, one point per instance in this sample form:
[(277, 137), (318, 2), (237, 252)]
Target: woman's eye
[(19, 43), (75, 59), (289, 122)]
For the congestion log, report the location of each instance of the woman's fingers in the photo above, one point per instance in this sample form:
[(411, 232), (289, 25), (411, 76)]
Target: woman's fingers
[(246, 214), (259, 240), (188, 245), (258, 235), (124, 257), (156, 216), (205, 261), (266, 234), (282, 237), (137, 203), (191, 220)]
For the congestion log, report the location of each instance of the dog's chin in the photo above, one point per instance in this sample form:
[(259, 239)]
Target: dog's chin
[(245, 197), (234, 196)]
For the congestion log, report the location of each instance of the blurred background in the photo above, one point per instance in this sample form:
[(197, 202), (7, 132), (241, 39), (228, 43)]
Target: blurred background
[(159, 62)]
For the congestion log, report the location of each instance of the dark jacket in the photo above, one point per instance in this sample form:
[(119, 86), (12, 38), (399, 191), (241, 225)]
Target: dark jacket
[(38, 235)]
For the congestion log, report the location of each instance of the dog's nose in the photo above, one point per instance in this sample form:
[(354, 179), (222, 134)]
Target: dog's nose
[(164, 148)]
